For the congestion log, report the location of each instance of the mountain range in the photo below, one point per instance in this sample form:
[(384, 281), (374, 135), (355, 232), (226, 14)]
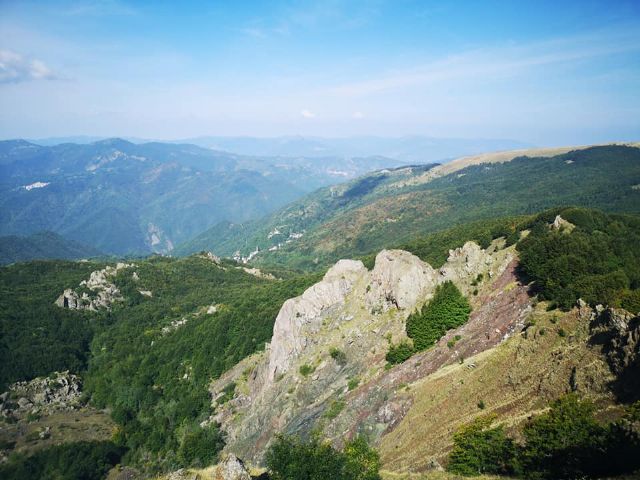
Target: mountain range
[(393, 206), (469, 316), (407, 149), (126, 198)]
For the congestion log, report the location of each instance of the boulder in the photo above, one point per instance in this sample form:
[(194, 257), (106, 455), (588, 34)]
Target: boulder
[(231, 468)]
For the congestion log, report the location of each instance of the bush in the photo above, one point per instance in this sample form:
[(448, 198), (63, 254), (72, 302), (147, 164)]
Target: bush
[(289, 458), (448, 309), (399, 353), (79, 460), (599, 261), (565, 442), (306, 370), (339, 356), (479, 449), (334, 409), (200, 446)]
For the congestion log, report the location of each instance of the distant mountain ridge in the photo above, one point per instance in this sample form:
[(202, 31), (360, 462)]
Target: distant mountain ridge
[(137, 198), (407, 149), (390, 207), (40, 246)]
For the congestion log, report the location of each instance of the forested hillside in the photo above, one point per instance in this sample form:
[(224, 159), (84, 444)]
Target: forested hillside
[(393, 207), (41, 246)]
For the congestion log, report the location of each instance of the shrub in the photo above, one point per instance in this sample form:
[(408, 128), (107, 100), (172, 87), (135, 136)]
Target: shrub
[(448, 309), (399, 353), (479, 449), (306, 370), (334, 409), (85, 460), (339, 356), (565, 442), (353, 383), (289, 458), (200, 446)]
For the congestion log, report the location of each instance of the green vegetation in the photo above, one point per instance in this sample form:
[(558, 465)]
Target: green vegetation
[(339, 356), (289, 458), (447, 309), (598, 177), (154, 381), (199, 447), (479, 449), (353, 383), (334, 409), (36, 337), (598, 261), (306, 370), (399, 353), (44, 245), (71, 461), (565, 442)]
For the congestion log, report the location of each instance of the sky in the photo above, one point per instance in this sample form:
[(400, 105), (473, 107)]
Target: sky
[(544, 72)]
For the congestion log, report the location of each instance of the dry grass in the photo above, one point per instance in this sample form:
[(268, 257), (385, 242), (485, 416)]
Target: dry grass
[(514, 380), (86, 424)]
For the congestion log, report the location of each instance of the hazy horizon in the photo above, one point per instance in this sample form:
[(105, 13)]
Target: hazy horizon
[(544, 74)]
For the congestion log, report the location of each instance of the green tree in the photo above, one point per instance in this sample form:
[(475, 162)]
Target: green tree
[(290, 458), (447, 309), (480, 449), (565, 442)]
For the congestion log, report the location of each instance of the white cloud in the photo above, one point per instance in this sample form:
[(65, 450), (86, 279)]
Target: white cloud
[(307, 114), (498, 62), (15, 68), (357, 115)]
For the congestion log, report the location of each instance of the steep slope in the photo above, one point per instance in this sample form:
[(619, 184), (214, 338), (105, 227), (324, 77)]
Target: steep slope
[(124, 198), (44, 245), (393, 206), (324, 372), (298, 385)]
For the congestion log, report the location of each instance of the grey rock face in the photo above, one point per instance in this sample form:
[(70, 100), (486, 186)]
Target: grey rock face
[(58, 391), (399, 279), (231, 468), (304, 313), (619, 332), (356, 313), (103, 293)]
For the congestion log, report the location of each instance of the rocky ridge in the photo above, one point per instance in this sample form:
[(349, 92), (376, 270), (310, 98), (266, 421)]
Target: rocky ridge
[(325, 366), (98, 292)]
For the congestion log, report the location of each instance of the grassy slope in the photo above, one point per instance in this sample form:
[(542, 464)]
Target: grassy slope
[(539, 367)]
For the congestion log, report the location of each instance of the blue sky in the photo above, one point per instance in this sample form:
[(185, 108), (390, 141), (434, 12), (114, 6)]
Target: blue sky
[(544, 72)]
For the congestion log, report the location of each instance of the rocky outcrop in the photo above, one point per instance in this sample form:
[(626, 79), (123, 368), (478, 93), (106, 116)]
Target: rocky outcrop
[(42, 395), (231, 468), (336, 335), (303, 315), (98, 292), (562, 225), (618, 333), (399, 280)]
